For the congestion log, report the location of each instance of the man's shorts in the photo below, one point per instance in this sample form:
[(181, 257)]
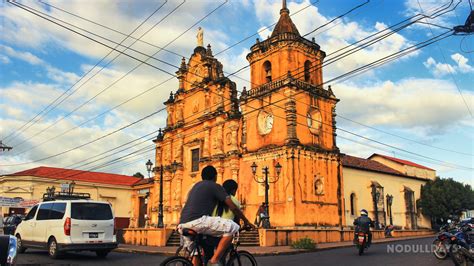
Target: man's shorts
[(207, 225)]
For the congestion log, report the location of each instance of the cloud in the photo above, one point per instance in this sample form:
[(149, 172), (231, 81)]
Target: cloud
[(404, 104), (462, 64), (441, 69), (430, 7), (438, 69), (334, 36), (4, 59), (24, 56)]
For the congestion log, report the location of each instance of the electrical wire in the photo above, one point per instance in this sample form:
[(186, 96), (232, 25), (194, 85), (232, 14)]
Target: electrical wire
[(45, 110)]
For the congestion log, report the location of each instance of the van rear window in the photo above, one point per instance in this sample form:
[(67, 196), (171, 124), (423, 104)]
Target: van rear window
[(91, 211)]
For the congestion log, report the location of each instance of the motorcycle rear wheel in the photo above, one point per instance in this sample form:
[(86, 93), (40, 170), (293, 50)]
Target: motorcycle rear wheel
[(361, 249), (440, 251)]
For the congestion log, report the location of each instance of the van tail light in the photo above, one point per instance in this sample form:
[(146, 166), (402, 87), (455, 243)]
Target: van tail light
[(115, 226), (67, 226)]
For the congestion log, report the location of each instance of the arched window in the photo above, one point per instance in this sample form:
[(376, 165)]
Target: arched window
[(307, 71), (353, 204), (267, 67)]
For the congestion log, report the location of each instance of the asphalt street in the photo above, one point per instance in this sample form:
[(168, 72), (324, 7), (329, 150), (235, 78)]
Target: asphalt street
[(410, 252)]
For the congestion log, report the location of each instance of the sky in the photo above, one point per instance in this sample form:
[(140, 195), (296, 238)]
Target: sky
[(418, 107)]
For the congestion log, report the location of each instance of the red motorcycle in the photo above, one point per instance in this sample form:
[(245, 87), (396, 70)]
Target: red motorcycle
[(361, 242)]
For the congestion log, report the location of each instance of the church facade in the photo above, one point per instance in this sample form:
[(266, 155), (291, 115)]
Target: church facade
[(286, 118)]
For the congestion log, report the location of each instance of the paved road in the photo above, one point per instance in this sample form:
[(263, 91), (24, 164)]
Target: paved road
[(377, 255)]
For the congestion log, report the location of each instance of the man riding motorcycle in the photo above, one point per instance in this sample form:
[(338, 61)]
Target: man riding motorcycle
[(363, 224)]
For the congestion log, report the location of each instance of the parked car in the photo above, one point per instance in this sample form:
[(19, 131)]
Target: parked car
[(11, 223), (68, 225)]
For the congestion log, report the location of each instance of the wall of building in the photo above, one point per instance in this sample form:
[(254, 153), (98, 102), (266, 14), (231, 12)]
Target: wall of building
[(406, 169), (359, 182), (33, 188)]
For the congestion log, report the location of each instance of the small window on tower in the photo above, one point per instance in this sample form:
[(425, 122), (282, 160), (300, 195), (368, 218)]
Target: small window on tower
[(267, 66), (307, 71), (194, 160)]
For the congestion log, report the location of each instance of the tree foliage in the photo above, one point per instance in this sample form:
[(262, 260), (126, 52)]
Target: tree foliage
[(139, 175), (443, 197)]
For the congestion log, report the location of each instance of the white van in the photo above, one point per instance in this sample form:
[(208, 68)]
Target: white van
[(68, 225)]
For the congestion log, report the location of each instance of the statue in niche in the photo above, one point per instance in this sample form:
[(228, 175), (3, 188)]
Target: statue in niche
[(200, 37)]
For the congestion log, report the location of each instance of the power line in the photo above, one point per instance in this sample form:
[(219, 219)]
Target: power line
[(111, 84), (449, 69), (108, 87), (18, 131), (122, 52)]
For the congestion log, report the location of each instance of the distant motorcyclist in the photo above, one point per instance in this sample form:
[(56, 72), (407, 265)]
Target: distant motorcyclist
[(363, 224)]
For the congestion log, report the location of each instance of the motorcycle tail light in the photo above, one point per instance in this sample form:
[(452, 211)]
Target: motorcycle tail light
[(453, 238)]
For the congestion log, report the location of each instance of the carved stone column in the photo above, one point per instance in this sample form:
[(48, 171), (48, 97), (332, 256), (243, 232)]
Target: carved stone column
[(234, 167), (169, 119), (205, 146), (207, 103), (219, 139), (220, 91), (166, 153), (234, 128), (179, 113), (290, 109), (158, 154), (178, 148)]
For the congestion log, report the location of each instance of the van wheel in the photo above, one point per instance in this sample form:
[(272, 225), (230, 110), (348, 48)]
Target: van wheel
[(19, 245), (53, 250), (102, 253)]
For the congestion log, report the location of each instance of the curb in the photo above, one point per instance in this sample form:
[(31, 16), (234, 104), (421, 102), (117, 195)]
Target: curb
[(276, 253)]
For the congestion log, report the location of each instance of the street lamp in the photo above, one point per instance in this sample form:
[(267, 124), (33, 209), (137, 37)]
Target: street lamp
[(149, 166), (389, 205), (265, 172), (173, 169)]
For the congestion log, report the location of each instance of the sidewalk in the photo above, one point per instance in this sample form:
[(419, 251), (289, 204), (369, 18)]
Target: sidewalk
[(258, 251)]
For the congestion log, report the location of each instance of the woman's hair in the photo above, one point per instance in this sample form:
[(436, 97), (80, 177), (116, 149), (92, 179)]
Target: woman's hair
[(230, 186)]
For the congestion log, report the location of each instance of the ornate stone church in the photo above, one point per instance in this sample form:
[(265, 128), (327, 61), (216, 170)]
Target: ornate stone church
[(286, 119)]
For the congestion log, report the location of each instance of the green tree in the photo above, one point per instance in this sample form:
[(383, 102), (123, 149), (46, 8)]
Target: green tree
[(443, 197), (139, 175)]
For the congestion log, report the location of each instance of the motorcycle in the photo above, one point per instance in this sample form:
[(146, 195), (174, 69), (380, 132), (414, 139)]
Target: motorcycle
[(361, 242), (462, 247), (442, 243)]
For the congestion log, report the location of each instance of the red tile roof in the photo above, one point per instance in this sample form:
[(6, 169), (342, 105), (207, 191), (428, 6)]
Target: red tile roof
[(366, 164), (78, 175), (405, 162), (144, 181)]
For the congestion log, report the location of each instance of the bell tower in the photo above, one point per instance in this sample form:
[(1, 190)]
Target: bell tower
[(289, 118), (287, 85)]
